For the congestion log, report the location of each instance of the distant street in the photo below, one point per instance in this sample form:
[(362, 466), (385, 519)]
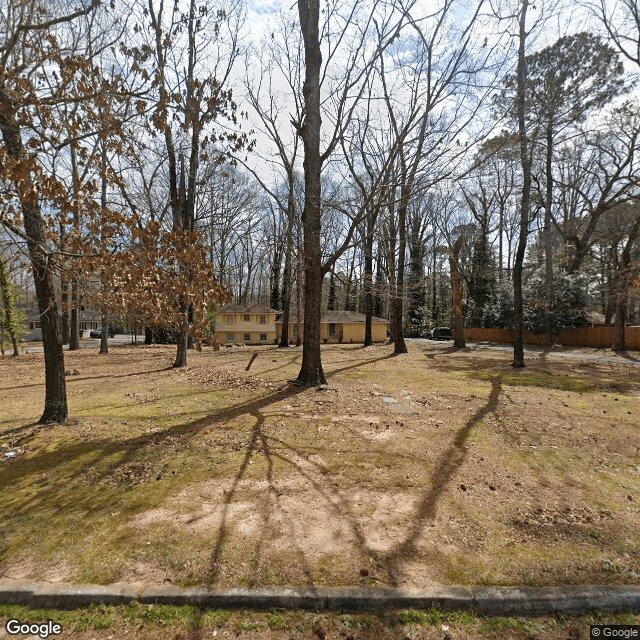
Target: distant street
[(582, 354), (85, 343)]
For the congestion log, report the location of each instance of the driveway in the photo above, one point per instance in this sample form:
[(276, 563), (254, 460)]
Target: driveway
[(580, 354)]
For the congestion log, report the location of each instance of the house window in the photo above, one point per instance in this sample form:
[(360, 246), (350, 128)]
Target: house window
[(332, 329), (263, 319), (246, 317), (229, 318), (263, 336), (230, 337), (247, 337)]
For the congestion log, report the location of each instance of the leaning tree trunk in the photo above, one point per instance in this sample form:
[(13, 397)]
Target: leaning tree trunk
[(311, 372), (525, 201), (55, 403), (456, 294)]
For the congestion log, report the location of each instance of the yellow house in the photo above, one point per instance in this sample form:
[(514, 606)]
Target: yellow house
[(341, 326), (249, 324)]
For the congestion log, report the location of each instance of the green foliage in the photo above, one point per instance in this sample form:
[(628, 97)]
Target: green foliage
[(498, 309), (569, 305), (482, 282)]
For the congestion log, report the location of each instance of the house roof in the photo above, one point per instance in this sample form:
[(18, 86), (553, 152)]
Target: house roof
[(338, 317), (248, 308)]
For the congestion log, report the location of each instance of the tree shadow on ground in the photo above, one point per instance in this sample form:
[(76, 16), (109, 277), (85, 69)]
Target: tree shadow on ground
[(627, 356), (259, 443), (94, 452), (446, 466), (333, 495)]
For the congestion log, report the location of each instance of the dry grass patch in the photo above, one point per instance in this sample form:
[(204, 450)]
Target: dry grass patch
[(216, 475)]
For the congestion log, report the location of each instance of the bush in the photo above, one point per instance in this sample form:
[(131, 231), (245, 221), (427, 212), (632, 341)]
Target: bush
[(569, 305)]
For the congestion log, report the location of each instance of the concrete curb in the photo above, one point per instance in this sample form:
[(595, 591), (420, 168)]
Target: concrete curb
[(522, 601)]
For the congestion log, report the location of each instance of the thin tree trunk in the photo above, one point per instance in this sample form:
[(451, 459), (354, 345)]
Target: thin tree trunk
[(181, 338), (9, 306), (399, 344), (65, 325), (622, 290), (434, 290), (391, 262), (525, 201), (286, 286), (548, 245), (618, 338), (456, 294), (331, 300), (368, 282), (299, 294), (74, 325), (104, 343)]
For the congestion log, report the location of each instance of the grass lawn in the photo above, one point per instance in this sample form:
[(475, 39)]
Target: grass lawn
[(137, 622), (478, 474)]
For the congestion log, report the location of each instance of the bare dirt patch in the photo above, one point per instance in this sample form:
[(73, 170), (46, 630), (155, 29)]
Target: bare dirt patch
[(216, 475)]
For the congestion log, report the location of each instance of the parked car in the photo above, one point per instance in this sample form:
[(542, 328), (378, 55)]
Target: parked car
[(441, 333), (97, 333)]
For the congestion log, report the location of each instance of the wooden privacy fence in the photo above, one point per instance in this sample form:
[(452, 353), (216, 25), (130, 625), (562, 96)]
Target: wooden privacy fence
[(582, 337)]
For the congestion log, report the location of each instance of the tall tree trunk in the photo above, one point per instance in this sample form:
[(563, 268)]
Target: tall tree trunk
[(65, 323), (148, 335), (434, 288), (331, 300), (391, 264), (399, 344), (456, 294), (275, 277), (55, 403), (525, 201), (286, 286), (311, 372), (368, 281), (618, 338), (548, 244), (378, 307), (74, 337), (74, 325), (104, 343), (299, 295), (623, 277), (182, 337), (9, 306)]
